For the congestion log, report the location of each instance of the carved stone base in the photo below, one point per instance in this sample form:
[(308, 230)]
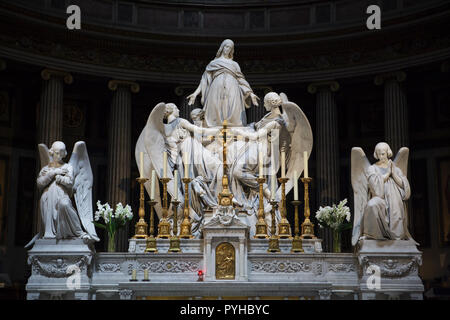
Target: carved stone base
[(59, 270), (389, 269)]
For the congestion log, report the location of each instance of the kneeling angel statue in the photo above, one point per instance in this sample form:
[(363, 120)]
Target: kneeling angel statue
[(380, 191), (59, 182)]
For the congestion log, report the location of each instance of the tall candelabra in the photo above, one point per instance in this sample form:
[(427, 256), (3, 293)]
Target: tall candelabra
[(186, 225), (296, 241), (307, 225), (284, 228), (261, 225), (164, 225), (274, 244), (151, 240), (141, 225), (175, 240)]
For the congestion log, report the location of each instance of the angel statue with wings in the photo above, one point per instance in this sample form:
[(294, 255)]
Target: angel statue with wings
[(59, 182), (380, 194), (273, 134), (166, 131)]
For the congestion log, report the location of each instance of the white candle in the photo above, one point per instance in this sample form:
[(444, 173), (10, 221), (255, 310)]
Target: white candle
[(133, 275), (152, 193), (175, 185), (146, 274), (305, 160), (186, 165), (274, 179), (141, 169), (283, 162), (295, 185), (260, 164), (165, 164)]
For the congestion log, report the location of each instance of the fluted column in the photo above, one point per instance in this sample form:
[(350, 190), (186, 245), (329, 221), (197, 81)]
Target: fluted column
[(396, 123), (327, 149), (50, 127), (120, 150)]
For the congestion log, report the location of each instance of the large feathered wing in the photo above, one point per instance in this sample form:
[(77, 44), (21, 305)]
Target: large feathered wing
[(360, 185), (82, 187), (44, 155), (299, 138), (401, 160), (151, 142)]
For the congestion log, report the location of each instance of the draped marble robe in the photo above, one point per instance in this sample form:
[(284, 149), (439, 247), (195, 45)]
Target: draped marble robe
[(224, 93), (59, 217), (385, 216), (244, 170)]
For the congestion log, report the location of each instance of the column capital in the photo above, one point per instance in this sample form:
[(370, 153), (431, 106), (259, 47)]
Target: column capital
[(46, 74), (400, 76), (445, 66), (114, 84), (2, 65), (331, 85)]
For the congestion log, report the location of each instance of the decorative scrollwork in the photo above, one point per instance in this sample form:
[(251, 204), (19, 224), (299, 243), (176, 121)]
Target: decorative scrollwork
[(281, 267), (392, 268), (341, 267), (108, 267), (57, 267), (172, 266)]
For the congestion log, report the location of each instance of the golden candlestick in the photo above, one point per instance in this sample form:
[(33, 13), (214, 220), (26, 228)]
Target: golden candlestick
[(186, 226), (164, 225), (261, 225), (284, 228), (175, 240), (296, 241), (274, 244), (307, 225), (141, 225), (225, 197), (151, 240)]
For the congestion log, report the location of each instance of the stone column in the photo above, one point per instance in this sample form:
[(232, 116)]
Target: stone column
[(327, 150), (50, 119), (396, 124), (50, 128), (120, 150)]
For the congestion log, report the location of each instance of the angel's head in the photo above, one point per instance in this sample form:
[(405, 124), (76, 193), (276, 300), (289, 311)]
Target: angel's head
[(197, 114), (171, 110), (382, 152), (226, 49), (272, 100), (58, 151)]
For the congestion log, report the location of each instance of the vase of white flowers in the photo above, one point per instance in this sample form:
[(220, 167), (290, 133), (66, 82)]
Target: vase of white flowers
[(114, 220), (336, 218)]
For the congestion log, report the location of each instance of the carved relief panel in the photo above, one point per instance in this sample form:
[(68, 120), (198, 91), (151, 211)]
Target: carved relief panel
[(225, 261)]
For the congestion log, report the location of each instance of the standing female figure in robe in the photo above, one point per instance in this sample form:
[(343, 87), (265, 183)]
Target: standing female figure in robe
[(224, 90)]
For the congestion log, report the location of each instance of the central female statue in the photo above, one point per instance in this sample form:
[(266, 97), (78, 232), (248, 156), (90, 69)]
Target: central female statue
[(224, 90)]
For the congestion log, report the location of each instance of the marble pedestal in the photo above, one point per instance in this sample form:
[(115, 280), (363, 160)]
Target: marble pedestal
[(389, 270), (234, 232), (60, 270)]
